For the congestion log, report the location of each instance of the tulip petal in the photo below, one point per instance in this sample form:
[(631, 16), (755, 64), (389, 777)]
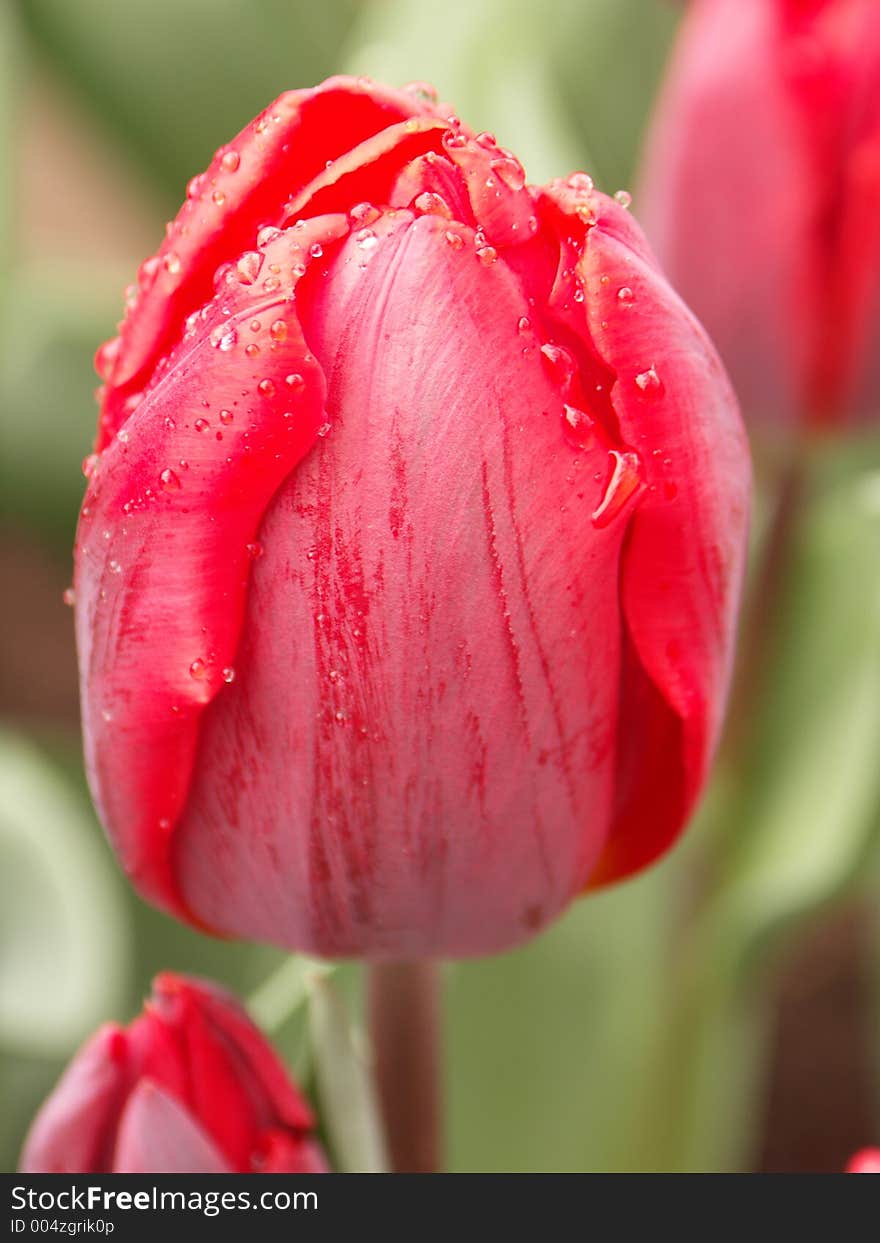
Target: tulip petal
[(166, 538), (286, 1154), (755, 293), (245, 187), (439, 780), (157, 1136), (247, 1042), (683, 559), (73, 1132)]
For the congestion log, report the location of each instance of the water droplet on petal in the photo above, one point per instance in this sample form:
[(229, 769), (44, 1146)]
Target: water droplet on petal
[(455, 240), (363, 214), (316, 250), (559, 364), (323, 429), (198, 669), (114, 567), (294, 380), (422, 90), (90, 465), (122, 436), (69, 597), (578, 426), (582, 183), (625, 295), (650, 383), (230, 161), (226, 417), (228, 674), (252, 350), (254, 551), (106, 357), (626, 479), (147, 271), (169, 480), (219, 198), (523, 324), (430, 204), (624, 198), (172, 263), (268, 233), (266, 387), (278, 331), (510, 172), (201, 425), (223, 337)]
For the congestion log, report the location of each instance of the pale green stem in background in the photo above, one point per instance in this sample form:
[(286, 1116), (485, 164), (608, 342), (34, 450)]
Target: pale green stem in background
[(273, 1002)]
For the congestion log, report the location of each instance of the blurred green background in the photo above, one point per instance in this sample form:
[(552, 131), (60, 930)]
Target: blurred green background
[(720, 1012)]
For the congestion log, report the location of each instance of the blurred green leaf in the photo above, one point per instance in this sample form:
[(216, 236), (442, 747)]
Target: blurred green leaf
[(492, 61), (50, 323), (9, 82), (172, 81), (811, 793), (65, 933), (566, 84), (609, 57), (547, 1047), (349, 1108)]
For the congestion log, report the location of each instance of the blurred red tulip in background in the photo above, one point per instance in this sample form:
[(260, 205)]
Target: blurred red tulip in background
[(761, 194), (407, 571), (867, 1161), (191, 1086)]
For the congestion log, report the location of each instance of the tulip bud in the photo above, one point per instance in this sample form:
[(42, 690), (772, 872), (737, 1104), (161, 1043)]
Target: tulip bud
[(761, 190), (407, 571), (866, 1161), (191, 1086)]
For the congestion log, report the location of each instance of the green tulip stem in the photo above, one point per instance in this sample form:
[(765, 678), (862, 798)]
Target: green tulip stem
[(758, 629), (404, 1012)]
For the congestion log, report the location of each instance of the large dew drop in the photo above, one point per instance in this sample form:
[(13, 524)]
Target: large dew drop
[(625, 481)]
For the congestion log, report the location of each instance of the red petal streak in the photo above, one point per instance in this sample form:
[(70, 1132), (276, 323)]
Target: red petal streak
[(162, 559), (246, 186)]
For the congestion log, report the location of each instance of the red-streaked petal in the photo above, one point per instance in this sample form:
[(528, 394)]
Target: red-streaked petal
[(73, 1132), (157, 1136), (683, 560), (406, 788), (162, 558), (246, 186)]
